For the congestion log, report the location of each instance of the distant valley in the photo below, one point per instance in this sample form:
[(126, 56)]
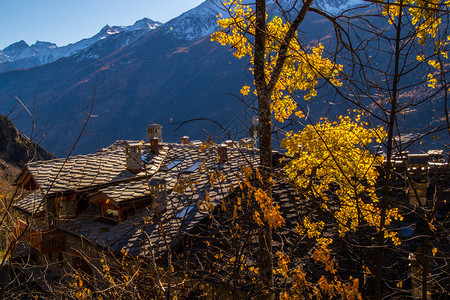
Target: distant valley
[(150, 73)]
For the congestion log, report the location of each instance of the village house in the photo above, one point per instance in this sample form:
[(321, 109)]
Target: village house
[(115, 200), (145, 199)]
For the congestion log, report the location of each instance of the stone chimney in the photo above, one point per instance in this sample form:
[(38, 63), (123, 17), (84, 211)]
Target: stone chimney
[(154, 145), (229, 143), (185, 140), (222, 151), (436, 155), (133, 157), (159, 192), (154, 130), (247, 143)]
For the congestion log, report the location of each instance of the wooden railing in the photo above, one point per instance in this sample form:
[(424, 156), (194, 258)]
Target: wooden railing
[(45, 241)]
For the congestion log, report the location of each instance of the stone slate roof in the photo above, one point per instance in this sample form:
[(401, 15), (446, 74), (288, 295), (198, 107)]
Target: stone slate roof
[(127, 191), (85, 171), (140, 233), (32, 204)]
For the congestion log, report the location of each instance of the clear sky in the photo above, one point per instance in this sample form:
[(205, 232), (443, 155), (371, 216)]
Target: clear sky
[(68, 21)]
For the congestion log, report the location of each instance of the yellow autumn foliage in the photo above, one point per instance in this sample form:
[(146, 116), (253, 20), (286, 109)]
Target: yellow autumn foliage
[(338, 153), (425, 16), (301, 70)]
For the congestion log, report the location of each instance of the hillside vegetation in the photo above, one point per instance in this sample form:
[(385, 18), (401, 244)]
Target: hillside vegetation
[(15, 151)]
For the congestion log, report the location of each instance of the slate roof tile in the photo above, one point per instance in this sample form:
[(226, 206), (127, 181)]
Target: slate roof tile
[(32, 204), (106, 170)]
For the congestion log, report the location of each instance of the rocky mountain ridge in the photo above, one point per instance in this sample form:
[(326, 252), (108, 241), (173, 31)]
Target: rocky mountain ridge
[(21, 55)]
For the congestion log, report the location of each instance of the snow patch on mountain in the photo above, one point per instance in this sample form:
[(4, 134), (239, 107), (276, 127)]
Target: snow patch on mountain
[(202, 20), (107, 45), (336, 7), (19, 50), (195, 23)]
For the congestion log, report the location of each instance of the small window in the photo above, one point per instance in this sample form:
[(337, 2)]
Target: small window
[(112, 213), (173, 164), (194, 167), (185, 211)]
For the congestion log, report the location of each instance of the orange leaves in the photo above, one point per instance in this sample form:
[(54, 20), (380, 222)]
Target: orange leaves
[(205, 205), (434, 251), (270, 211), (322, 255), (212, 179), (245, 90), (327, 287), (267, 210), (283, 261), (80, 291)]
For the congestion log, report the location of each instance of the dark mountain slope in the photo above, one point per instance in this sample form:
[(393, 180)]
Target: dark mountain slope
[(161, 78), (16, 148), (158, 79), (15, 151)]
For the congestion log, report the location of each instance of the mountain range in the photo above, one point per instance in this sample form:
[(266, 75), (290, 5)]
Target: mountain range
[(21, 55), (146, 73)]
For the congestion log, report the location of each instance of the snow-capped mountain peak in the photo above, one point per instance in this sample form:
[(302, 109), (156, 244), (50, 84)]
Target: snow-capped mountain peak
[(144, 23), (18, 50), (23, 55), (108, 30), (202, 20), (40, 46), (195, 23)]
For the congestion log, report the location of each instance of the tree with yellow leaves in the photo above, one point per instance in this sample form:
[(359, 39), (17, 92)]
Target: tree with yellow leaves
[(338, 153), (280, 67)]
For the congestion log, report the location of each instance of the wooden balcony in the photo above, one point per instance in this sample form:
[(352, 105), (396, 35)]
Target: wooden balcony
[(45, 241)]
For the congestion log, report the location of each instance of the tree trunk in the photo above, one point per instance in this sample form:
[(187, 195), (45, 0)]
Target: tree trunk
[(265, 124), (389, 153)]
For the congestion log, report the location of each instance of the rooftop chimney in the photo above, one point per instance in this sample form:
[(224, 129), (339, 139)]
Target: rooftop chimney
[(133, 157), (229, 143), (154, 145), (159, 192), (247, 143), (223, 153), (154, 130), (185, 140)]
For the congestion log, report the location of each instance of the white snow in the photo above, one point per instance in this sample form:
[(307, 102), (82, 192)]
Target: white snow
[(201, 20), (47, 52)]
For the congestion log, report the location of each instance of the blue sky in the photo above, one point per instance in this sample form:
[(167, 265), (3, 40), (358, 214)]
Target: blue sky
[(67, 21)]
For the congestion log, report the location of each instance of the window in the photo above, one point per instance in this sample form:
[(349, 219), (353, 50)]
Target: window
[(193, 167), (173, 164), (185, 211), (112, 213)]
